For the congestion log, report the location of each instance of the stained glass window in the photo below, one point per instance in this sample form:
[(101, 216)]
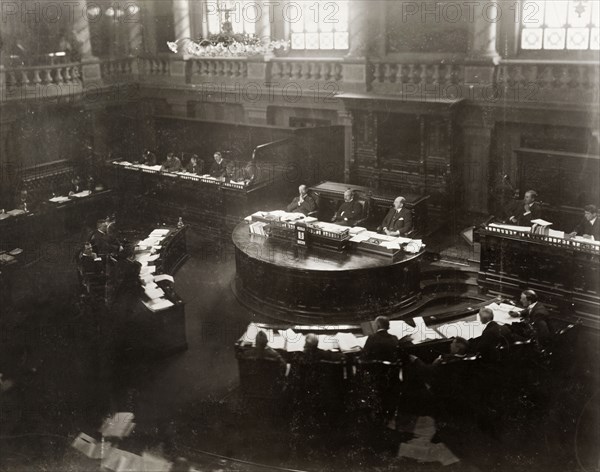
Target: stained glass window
[(560, 24)]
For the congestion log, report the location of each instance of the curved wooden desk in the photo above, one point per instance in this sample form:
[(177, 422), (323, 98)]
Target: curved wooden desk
[(277, 279)]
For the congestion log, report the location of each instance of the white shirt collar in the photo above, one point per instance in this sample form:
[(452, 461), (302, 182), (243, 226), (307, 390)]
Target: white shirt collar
[(593, 221)]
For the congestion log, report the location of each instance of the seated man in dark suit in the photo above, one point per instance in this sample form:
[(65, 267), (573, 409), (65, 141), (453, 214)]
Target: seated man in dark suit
[(312, 353), (493, 334), (172, 164), (218, 169), (589, 226), (194, 166), (262, 351), (398, 221), (24, 201), (148, 158), (535, 316), (303, 203), (382, 345), (76, 185), (527, 210), (350, 211), (102, 243)]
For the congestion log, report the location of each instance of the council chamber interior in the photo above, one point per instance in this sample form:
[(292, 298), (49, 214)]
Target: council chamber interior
[(335, 235)]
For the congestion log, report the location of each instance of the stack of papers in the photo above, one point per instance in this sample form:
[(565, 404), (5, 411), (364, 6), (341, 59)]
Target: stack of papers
[(522, 229), (420, 333), (90, 447), (348, 342), (464, 329), (258, 227), (158, 304)]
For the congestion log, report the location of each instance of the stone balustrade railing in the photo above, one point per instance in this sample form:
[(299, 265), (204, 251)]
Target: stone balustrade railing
[(549, 81), (306, 70)]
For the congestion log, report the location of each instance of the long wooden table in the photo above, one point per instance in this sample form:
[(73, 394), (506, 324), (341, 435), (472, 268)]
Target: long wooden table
[(565, 273), (331, 195), (214, 207)]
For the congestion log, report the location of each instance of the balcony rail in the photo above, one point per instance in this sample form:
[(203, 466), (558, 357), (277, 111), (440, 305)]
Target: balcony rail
[(550, 81)]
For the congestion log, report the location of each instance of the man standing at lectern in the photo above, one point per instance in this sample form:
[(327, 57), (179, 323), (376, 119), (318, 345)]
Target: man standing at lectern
[(349, 212), (398, 221), (303, 203)]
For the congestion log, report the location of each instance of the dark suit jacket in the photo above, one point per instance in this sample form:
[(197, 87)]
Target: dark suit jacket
[(535, 212), (490, 338), (351, 210), (585, 227), (266, 353), (103, 243), (315, 355), (537, 317), (381, 346), (305, 207), (173, 166), (218, 170), (398, 221), (194, 168)]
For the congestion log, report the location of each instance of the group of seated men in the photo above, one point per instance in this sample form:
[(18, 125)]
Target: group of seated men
[(397, 222), (530, 209), (219, 169), (384, 346)]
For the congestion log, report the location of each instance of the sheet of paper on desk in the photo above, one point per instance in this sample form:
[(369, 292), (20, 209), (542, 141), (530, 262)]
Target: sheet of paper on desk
[(464, 329), (400, 328), (276, 341), (390, 245), (580, 239), (501, 313), (541, 222), (360, 237), (159, 232), (154, 293), (523, 229), (85, 193), (348, 342), (356, 229), (328, 342), (3, 216), (294, 342), (158, 304), (59, 199), (161, 277), (148, 270), (556, 234)]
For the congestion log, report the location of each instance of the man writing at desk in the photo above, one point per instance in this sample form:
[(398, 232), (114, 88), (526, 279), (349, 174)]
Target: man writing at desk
[(398, 221), (589, 226), (527, 210), (349, 212), (303, 203), (218, 169), (172, 164), (535, 315)]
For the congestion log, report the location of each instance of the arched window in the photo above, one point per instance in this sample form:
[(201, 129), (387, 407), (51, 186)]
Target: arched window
[(317, 25), (242, 14), (560, 25)]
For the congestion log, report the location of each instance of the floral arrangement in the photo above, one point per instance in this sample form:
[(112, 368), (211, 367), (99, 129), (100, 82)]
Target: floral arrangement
[(224, 45)]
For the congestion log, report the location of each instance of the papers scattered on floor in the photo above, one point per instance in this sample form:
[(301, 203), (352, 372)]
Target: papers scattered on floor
[(120, 425), (90, 447)]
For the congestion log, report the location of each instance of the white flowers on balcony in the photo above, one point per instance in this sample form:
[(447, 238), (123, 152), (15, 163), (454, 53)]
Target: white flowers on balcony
[(226, 46)]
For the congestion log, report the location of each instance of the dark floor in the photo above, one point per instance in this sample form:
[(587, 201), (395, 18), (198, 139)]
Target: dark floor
[(188, 404)]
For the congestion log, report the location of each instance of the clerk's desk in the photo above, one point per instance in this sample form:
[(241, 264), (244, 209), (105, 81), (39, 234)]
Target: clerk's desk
[(280, 280), (211, 204), (330, 195), (565, 273), (429, 337)]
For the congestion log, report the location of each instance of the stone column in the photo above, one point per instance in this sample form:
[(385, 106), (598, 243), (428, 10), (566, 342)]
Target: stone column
[(358, 23), (181, 19), (477, 140), (136, 35), (81, 29), (345, 119), (263, 22)]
